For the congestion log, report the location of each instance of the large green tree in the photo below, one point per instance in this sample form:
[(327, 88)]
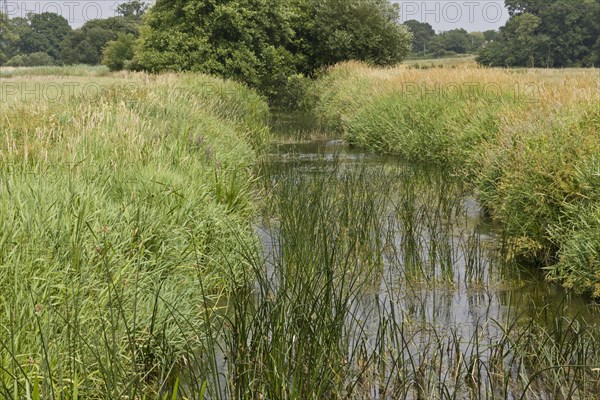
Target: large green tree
[(366, 30), (423, 35), (263, 42), (547, 33), (47, 32), (240, 39), (85, 45), (16, 28)]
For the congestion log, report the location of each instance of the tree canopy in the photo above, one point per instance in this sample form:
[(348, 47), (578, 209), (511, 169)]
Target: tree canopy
[(423, 35), (48, 38), (85, 45), (548, 33), (263, 42), (37, 33)]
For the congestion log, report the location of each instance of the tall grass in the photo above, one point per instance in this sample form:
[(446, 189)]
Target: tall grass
[(59, 71), (129, 267), (338, 308), (123, 212), (528, 139)]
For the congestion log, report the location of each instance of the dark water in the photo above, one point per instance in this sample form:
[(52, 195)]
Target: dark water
[(467, 289), (463, 299)]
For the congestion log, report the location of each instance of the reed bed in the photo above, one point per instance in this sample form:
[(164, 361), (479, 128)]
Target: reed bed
[(349, 301), (130, 267), (527, 139), (118, 209)]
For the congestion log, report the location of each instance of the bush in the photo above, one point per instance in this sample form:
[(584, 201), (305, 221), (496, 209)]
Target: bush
[(31, 60), (16, 61), (39, 59), (118, 53), (293, 94)]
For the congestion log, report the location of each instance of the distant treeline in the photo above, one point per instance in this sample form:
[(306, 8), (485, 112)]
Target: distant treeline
[(547, 33), (48, 39), (426, 43), (265, 44)]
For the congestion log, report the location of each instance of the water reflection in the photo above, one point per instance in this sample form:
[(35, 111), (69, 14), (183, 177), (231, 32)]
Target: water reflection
[(432, 282)]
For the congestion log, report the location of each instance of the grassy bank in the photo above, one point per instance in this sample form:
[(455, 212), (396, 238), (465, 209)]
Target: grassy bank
[(125, 202), (528, 139)]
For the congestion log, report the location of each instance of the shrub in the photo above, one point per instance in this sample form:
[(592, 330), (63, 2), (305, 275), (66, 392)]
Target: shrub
[(118, 53), (31, 60)]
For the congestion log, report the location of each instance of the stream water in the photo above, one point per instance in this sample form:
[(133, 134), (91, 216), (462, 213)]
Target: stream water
[(443, 274)]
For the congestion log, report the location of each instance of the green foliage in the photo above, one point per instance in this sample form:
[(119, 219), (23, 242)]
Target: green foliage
[(520, 30), (133, 9), (294, 95), (423, 34), (455, 40), (85, 45), (263, 43), (491, 35), (4, 33), (46, 33), (13, 30), (557, 33), (31, 60), (452, 42), (363, 30), (118, 53), (244, 40)]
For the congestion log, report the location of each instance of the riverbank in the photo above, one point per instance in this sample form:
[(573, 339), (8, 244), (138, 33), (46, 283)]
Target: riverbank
[(528, 140), (126, 203)]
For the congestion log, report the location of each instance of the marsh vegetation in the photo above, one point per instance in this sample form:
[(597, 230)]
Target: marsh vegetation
[(159, 240)]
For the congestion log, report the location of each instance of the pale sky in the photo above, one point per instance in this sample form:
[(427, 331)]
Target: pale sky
[(442, 15)]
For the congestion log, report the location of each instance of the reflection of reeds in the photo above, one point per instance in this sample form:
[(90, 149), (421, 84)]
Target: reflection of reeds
[(321, 324), (528, 139)]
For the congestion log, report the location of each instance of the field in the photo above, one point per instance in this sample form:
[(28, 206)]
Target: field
[(528, 139)]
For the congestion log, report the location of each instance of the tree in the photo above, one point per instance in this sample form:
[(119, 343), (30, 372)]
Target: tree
[(516, 7), (245, 40), (365, 30), (46, 33), (133, 9), (547, 33), (31, 60), (15, 29), (423, 35), (85, 45), (491, 35), (262, 43), (455, 40), (118, 53), (476, 41), (4, 34)]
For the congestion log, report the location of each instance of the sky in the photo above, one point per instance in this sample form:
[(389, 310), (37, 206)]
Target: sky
[(442, 15)]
